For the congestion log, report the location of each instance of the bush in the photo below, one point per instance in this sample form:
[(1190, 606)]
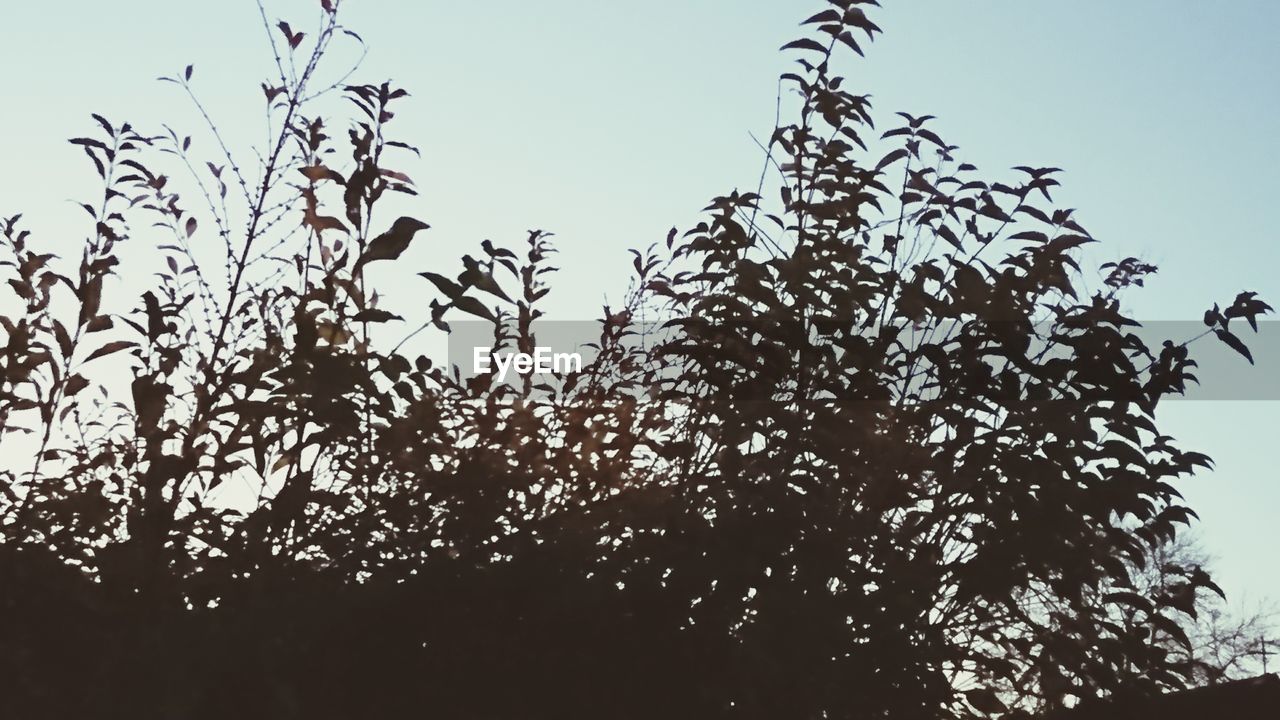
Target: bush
[(879, 456)]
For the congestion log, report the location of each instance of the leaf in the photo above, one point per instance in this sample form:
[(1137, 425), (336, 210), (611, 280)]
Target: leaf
[(475, 307), (826, 16), (99, 323), (1200, 578), (374, 315), (1132, 599), (451, 290), (496, 252), (109, 348), (316, 173), (397, 175), (891, 158), (294, 39), (949, 235), (392, 243), (1247, 306), (855, 16), (191, 227), (410, 148), (1031, 236), (1234, 343), (805, 44), (186, 74), (90, 299), (1172, 629), (326, 222), (847, 38), (75, 384), (88, 142), (63, 338), (103, 122), (931, 137), (1212, 316)]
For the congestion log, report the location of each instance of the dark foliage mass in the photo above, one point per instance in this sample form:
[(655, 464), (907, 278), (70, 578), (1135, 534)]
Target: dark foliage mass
[(887, 457)]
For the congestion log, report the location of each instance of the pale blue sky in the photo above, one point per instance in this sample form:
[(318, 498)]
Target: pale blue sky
[(609, 122)]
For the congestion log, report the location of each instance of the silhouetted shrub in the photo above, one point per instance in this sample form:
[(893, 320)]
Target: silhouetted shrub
[(881, 456)]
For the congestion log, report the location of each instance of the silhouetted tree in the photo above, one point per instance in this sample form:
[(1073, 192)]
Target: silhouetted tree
[(882, 456), (1224, 643)]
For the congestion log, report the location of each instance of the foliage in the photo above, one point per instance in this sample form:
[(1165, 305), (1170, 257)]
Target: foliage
[(1222, 643), (886, 457)]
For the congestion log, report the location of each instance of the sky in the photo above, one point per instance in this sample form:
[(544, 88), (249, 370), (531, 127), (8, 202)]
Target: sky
[(609, 123)]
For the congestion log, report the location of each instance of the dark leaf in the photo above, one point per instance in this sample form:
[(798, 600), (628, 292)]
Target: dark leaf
[(109, 348), (1234, 343), (374, 315), (475, 307)]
